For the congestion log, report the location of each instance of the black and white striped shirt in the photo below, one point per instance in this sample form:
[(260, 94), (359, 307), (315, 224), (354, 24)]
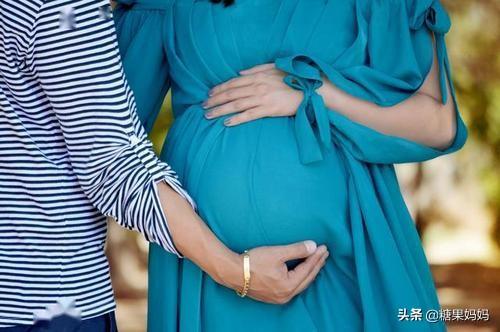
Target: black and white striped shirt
[(72, 151)]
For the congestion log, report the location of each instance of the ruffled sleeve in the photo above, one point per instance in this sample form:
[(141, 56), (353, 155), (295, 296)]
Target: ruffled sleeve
[(387, 63)]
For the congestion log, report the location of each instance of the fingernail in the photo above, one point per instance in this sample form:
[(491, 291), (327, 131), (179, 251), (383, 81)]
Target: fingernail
[(310, 246), (205, 105), (209, 115), (210, 93), (227, 122), (322, 249)]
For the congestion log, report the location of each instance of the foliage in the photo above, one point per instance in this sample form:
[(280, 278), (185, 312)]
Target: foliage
[(474, 47)]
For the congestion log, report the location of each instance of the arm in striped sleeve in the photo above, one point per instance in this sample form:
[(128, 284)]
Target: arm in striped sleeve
[(76, 59)]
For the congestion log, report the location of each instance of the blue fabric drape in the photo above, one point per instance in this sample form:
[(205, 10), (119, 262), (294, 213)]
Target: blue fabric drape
[(317, 175)]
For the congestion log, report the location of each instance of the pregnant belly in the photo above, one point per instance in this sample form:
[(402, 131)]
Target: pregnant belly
[(252, 189)]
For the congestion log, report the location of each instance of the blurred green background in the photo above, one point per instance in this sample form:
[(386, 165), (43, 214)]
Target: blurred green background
[(455, 200)]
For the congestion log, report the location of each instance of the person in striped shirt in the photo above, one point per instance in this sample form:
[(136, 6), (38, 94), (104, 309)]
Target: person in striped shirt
[(73, 152)]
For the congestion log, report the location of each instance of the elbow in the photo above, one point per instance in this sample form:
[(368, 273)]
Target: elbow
[(446, 137), (446, 130)]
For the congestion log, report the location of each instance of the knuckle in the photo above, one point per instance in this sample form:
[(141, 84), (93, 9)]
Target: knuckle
[(266, 97), (243, 118), (274, 110), (288, 291), (251, 113), (285, 291), (260, 76), (236, 120), (278, 294), (283, 299), (262, 88), (246, 116), (238, 105), (279, 301), (290, 250), (280, 253), (278, 298)]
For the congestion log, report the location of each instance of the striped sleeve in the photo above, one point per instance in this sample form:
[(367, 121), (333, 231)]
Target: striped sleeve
[(77, 63)]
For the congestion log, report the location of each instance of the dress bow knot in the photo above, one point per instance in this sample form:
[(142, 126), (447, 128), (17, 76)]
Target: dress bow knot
[(433, 15), (437, 19), (312, 127)]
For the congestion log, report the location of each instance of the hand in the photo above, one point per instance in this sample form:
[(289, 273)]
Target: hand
[(271, 281), (258, 93)]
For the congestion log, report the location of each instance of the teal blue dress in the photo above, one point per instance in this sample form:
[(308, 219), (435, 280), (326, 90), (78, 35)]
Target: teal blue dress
[(316, 175)]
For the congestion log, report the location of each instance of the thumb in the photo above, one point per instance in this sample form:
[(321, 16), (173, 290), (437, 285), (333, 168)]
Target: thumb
[(298, 250)]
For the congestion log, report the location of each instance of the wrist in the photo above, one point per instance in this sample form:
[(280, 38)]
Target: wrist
[(219, 262), (228, 270), (332, 96)]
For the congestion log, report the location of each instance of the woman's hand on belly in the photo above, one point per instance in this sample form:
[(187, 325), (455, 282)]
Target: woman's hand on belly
[(258, 93)]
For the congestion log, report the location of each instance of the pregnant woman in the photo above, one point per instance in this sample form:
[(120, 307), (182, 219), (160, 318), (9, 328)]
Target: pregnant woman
[(301, 145)]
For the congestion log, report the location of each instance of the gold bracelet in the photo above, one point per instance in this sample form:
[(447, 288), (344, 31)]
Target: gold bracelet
[(246, 275)]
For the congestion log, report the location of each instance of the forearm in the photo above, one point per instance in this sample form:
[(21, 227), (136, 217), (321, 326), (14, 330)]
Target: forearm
[(420, 118), (195, 240)]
